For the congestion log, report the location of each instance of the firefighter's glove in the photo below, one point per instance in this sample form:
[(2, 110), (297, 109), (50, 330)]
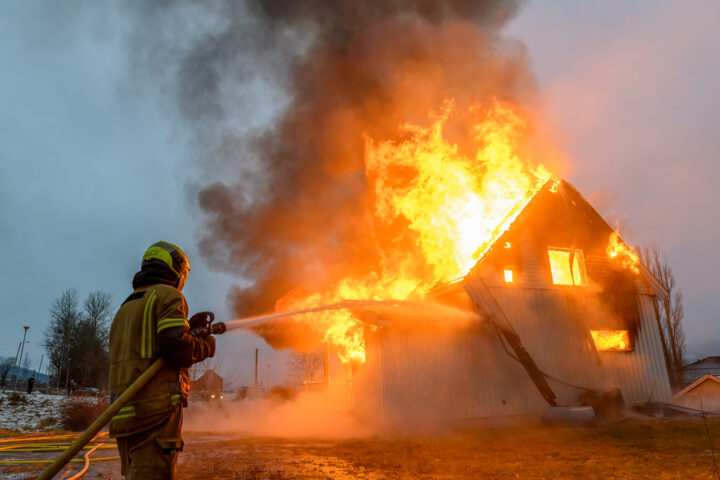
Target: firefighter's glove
[(201, 320)]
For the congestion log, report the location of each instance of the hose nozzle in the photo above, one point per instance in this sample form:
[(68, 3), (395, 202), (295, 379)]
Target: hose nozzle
[(212, 329), (218, 328)]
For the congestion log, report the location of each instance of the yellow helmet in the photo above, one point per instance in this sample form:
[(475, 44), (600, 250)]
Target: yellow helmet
[(171, 255)]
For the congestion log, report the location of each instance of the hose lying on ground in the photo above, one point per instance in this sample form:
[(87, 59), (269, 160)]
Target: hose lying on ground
[(51, 443), (87, 463)]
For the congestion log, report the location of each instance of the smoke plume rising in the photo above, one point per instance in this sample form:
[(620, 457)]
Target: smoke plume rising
[(290, 214)]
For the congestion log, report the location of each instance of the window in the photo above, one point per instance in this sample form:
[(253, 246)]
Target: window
[(611, 340), (562, 274), (508, 275)]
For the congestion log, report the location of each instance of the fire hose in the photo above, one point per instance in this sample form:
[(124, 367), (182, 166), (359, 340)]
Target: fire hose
[(104, 418)]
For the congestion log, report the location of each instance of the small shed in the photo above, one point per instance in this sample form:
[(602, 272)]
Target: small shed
[(702, 394), (209, 382), (559, 317)]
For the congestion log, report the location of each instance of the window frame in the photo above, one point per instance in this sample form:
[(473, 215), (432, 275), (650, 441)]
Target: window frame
[(579, 259), (630, 340)]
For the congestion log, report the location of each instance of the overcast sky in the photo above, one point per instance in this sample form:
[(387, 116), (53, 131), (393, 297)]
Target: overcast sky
[(93, 170)]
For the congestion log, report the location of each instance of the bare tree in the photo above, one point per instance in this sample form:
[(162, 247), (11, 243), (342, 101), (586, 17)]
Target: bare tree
[(61, 330), (91, 345), (76, 339), (669, 310), (97, 313), (6, 364), (303, 366)]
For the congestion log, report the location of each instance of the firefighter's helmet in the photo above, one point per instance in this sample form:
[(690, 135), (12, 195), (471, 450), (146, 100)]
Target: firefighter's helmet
[(172, 256)]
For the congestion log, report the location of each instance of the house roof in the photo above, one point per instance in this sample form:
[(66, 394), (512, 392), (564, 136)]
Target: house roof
[(703, 361), (209, 375), (572, 196), (705, 378)]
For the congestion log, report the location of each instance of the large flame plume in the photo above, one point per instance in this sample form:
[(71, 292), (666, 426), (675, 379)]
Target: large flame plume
[(395, 146), (451, 207)]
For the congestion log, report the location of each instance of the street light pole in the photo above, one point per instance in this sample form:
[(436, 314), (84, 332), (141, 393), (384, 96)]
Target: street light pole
[(39, 370), (22, 349)]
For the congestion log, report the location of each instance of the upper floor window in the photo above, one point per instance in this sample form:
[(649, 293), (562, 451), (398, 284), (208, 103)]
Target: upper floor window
[(567, 266), (508, 273)]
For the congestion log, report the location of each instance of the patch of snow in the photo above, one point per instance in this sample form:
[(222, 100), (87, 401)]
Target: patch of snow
[(25, 417)]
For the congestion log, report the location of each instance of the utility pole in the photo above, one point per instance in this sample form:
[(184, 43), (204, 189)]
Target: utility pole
[(22, 349), (67, 375), (39, 370), (256, 361), (62, 357), (268, 377), (13, 368)]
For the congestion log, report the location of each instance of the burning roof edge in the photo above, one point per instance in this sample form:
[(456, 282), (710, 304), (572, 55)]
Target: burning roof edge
[(556, 185), (657, 288)]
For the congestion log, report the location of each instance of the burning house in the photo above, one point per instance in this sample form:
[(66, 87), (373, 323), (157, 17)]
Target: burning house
[(410, 154), (565, 310)]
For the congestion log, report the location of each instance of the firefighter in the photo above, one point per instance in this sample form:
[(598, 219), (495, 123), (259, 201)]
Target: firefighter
[(152, 323)]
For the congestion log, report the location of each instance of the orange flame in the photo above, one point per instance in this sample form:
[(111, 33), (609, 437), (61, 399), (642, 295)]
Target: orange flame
[(617, 249), (611, 340), (454, 207)]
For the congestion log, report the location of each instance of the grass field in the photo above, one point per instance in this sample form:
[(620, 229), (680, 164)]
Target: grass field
[(678, 449), (650, 450)]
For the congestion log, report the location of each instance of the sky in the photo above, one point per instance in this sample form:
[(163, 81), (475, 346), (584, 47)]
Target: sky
[(93, 169)]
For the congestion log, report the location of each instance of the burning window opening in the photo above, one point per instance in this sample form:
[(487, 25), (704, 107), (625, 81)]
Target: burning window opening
[(508, 275), (617, 250), (508, 245), (562, 274), (611, 340)]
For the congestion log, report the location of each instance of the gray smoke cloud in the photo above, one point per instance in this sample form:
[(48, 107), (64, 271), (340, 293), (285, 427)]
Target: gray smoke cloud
[(278, 96)]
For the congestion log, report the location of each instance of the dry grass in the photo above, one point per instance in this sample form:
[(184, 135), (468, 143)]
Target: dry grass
[(653, 450), (78, 413), (7, 433), (15, 398)]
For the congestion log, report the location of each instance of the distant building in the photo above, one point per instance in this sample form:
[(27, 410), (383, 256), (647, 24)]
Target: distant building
[(209, 382), (695, 370), (702, 394)]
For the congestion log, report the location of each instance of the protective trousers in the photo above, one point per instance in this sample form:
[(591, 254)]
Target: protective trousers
[(152, 454)]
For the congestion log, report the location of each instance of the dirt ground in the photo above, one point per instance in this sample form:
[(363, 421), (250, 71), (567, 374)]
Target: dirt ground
[(679, 449)]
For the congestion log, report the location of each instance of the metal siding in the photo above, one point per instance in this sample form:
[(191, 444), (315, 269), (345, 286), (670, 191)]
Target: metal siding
[(657, 356), (452, 375)]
